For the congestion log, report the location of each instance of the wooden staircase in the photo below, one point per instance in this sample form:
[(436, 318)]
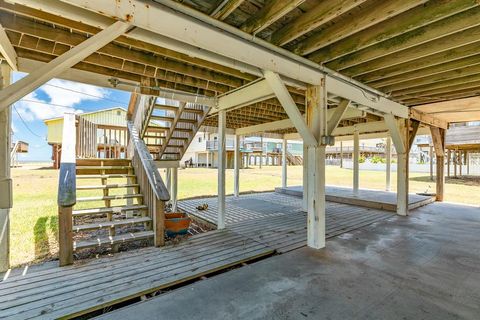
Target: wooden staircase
[(110, 209), (169, 128), (294, 160)]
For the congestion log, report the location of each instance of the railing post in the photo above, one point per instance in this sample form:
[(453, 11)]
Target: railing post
[(159, 225), (67, 190)]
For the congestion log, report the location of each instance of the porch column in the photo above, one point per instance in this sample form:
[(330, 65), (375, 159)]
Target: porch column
[(5, 180), (305, 178), (174, 194), (208, 159), (438, 139), (261, 151), (341, 154), (388, 173), (222, 119), (449, 158), (236, 166), (467, 160), (168, 177), (356, 158), (284, 163), (430, 160), (402, 174), (317, 122)]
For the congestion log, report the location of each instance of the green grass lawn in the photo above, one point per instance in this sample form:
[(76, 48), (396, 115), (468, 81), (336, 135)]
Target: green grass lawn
[(34, 226)]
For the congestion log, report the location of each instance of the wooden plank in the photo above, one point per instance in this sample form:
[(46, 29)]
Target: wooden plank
[(226, 8), (65, 236)]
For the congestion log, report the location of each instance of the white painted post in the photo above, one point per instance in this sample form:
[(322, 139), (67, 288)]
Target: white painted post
[(236, 165), (222, 119), (467, 156), (284, 163), (208, 159), (356, 158), (168, 177), (430, 160), (341, 154), (388, 152), (174, 195), (5, 182), (305, 178), (316, 195), (261, 151)]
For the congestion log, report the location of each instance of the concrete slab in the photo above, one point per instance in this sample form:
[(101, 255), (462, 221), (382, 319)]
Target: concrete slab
[(426, 266), (375, 199)]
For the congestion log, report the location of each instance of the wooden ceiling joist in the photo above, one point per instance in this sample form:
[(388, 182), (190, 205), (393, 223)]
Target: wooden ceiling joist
[(322, 13), (225, 8), (271, 12), (372, 13), (413, 19)]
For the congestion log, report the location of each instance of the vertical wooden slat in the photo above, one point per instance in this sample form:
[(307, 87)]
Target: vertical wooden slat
[(159, 222), (65, 236)]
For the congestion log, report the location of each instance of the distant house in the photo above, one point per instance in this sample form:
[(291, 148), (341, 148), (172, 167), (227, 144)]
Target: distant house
[(203, 151), (111, 134)]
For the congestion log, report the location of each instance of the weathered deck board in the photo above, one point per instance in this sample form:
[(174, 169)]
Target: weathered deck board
[(82, 288), (257, 225), (375, 199), (278, 221)]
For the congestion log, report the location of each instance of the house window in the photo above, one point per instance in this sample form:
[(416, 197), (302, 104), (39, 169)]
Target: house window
[(119, 113), (199, 139)]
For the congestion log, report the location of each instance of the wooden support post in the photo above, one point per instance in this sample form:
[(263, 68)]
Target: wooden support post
[(305, 178), (388, 173), (317, 124), (168, 178), (222, 119), (356, 160), (236, 167), (341, 154), (449, 159), (5, 180), (430, 160), (261, 151), (67, 191), (455, 162), (460, 161), (284, 163), (467, 161), (174, 193), (159, 223), (438, 139), (399, 132)]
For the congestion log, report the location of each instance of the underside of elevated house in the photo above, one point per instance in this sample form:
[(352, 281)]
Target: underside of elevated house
[(316, 71)]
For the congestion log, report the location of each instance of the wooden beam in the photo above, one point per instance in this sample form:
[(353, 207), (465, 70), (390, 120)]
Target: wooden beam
[(323, 12), (337, 116), (268, 14), (222, 119), (237, 163), (366, 17), (450, 25), (7, 50), (226, 8), (35, 79), (413, 19), (428, 119), (290, 107), (397, 136), (429, 48), (249, 94), (438, 139), (414, 125)]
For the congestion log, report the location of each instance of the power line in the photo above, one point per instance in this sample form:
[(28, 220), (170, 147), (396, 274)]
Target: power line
[(25, 124), (87, 94)]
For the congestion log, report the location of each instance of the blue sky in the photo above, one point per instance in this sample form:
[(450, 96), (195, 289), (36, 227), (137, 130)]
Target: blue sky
[(52, 100)]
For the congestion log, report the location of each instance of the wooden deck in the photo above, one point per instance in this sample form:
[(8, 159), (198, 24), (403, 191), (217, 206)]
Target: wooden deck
[(367, 198), (278, 220), (257, 225)]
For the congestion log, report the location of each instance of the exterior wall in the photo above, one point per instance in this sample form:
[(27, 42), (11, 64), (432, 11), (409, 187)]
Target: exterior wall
[(113, 117)]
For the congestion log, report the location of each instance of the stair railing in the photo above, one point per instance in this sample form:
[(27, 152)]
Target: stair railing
[(154, 191), (67, 196)]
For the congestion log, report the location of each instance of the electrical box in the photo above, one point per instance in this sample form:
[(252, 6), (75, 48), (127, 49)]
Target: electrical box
[(6, 199), (328, 140)]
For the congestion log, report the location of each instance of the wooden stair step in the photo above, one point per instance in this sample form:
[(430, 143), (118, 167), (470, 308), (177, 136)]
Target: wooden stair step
[(171, 119), (103, 167), (113, 197), (107, 186), (174, 108), (168, 128), (105, 210), (153, 136), (118, 239), (180, 138), (110, 224), (103, 176)]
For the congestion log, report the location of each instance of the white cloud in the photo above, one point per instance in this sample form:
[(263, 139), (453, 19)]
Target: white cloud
[(31, 107)]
